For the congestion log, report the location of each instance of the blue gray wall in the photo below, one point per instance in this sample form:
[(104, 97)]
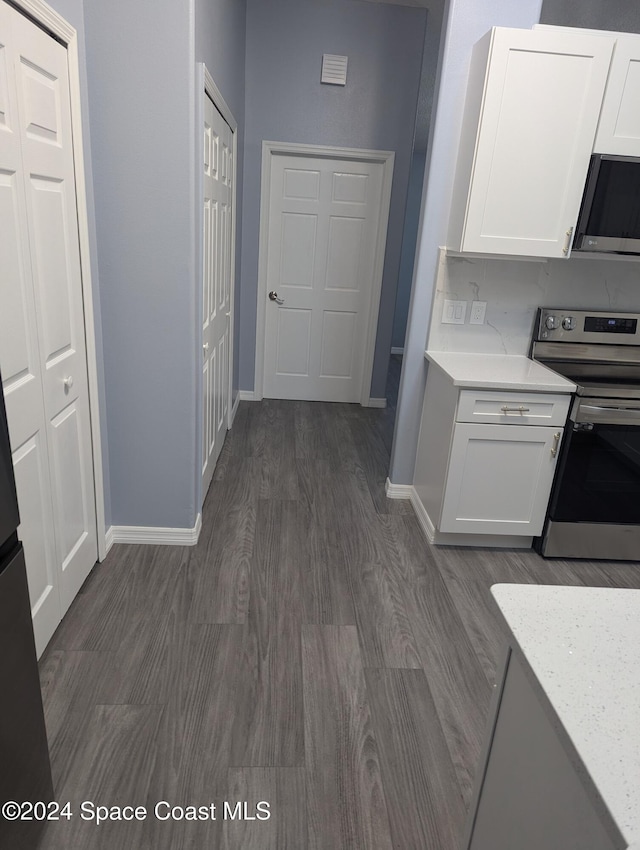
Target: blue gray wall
[(409, 243), (73, 12), (465, 22), (616, 15), (286, 102), (426, 93), (140, 68)]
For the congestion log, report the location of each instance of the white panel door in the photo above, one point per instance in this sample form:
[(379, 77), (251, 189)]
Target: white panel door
[(324, 217), (216, 285), (20, 360), (42, 346)]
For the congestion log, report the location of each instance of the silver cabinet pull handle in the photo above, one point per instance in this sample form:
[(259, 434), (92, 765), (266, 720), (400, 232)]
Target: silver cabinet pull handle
[(567, 241), (273, 296), (556, 440), (520, 409)]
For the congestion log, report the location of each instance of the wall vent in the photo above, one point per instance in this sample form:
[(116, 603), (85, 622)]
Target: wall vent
[(334, 69)]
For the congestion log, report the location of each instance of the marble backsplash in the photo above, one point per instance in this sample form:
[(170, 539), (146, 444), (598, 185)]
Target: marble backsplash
[(514, 289)]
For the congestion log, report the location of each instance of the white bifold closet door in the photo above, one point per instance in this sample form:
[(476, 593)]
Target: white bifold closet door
[(216, 285), (42, 342)]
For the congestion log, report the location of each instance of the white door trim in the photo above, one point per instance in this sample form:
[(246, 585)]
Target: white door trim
[(216, 96), (54, 23), (386, 158), (212, 91)]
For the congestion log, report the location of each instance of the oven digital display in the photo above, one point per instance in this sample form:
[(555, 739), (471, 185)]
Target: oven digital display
[(612, 325)]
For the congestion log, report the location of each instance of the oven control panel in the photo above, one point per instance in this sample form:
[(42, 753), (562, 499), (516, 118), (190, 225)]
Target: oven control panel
[(558, 325), (610, 324)]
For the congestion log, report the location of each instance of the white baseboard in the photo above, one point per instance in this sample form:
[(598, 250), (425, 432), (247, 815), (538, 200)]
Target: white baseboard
[(440, 538), (377, 402), (250, 395), (408, 491), (424, 520), (396, 350), (397, 491), (155, 536)]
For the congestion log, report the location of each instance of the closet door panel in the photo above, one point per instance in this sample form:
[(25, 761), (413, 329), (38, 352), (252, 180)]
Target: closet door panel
[(42, 343), (47, 149), (20, 359)]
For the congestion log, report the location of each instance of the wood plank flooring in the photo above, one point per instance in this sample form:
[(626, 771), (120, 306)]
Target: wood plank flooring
[(312, 652)]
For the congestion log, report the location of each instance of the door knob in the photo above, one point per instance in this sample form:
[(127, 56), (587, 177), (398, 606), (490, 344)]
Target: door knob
[(273, 296), (68, 382), (205, 346)]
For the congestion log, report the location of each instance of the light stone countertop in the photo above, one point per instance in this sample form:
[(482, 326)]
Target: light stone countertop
[(582, 645), (499, 372)]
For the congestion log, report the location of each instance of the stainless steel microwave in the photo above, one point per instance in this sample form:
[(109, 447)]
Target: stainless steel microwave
[(609, 219)]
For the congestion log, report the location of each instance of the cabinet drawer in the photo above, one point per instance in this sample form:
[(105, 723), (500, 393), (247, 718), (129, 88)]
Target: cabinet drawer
[(508, 408)]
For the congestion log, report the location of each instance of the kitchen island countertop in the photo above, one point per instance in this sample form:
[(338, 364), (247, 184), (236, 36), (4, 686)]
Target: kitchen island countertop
[(499, 371), (581, 646)]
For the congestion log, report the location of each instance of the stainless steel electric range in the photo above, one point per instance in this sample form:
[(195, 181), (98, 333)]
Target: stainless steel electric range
[(594, 511)]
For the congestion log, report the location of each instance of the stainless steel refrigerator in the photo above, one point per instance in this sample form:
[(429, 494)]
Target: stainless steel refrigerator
[(25, 773)]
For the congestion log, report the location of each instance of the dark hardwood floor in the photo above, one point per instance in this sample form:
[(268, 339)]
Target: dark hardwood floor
[(312, 651)]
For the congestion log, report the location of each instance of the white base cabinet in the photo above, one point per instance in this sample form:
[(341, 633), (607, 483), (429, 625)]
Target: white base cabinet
[(499, 479), (486, 460)]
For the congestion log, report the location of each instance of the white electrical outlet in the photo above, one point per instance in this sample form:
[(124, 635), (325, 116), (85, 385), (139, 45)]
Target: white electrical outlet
[(478, 310), (454, 312)]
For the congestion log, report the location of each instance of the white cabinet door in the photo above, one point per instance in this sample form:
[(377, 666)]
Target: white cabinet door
[(499, 479), (619, 127), (216, 285), (538, 119)]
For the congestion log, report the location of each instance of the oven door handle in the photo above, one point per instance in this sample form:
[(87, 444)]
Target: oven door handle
[(608, 415)]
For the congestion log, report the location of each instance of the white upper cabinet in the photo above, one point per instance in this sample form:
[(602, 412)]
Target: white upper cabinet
[(531, 115), (619, 127)]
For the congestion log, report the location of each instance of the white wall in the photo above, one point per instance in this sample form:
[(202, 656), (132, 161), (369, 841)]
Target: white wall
[(514, 290)]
